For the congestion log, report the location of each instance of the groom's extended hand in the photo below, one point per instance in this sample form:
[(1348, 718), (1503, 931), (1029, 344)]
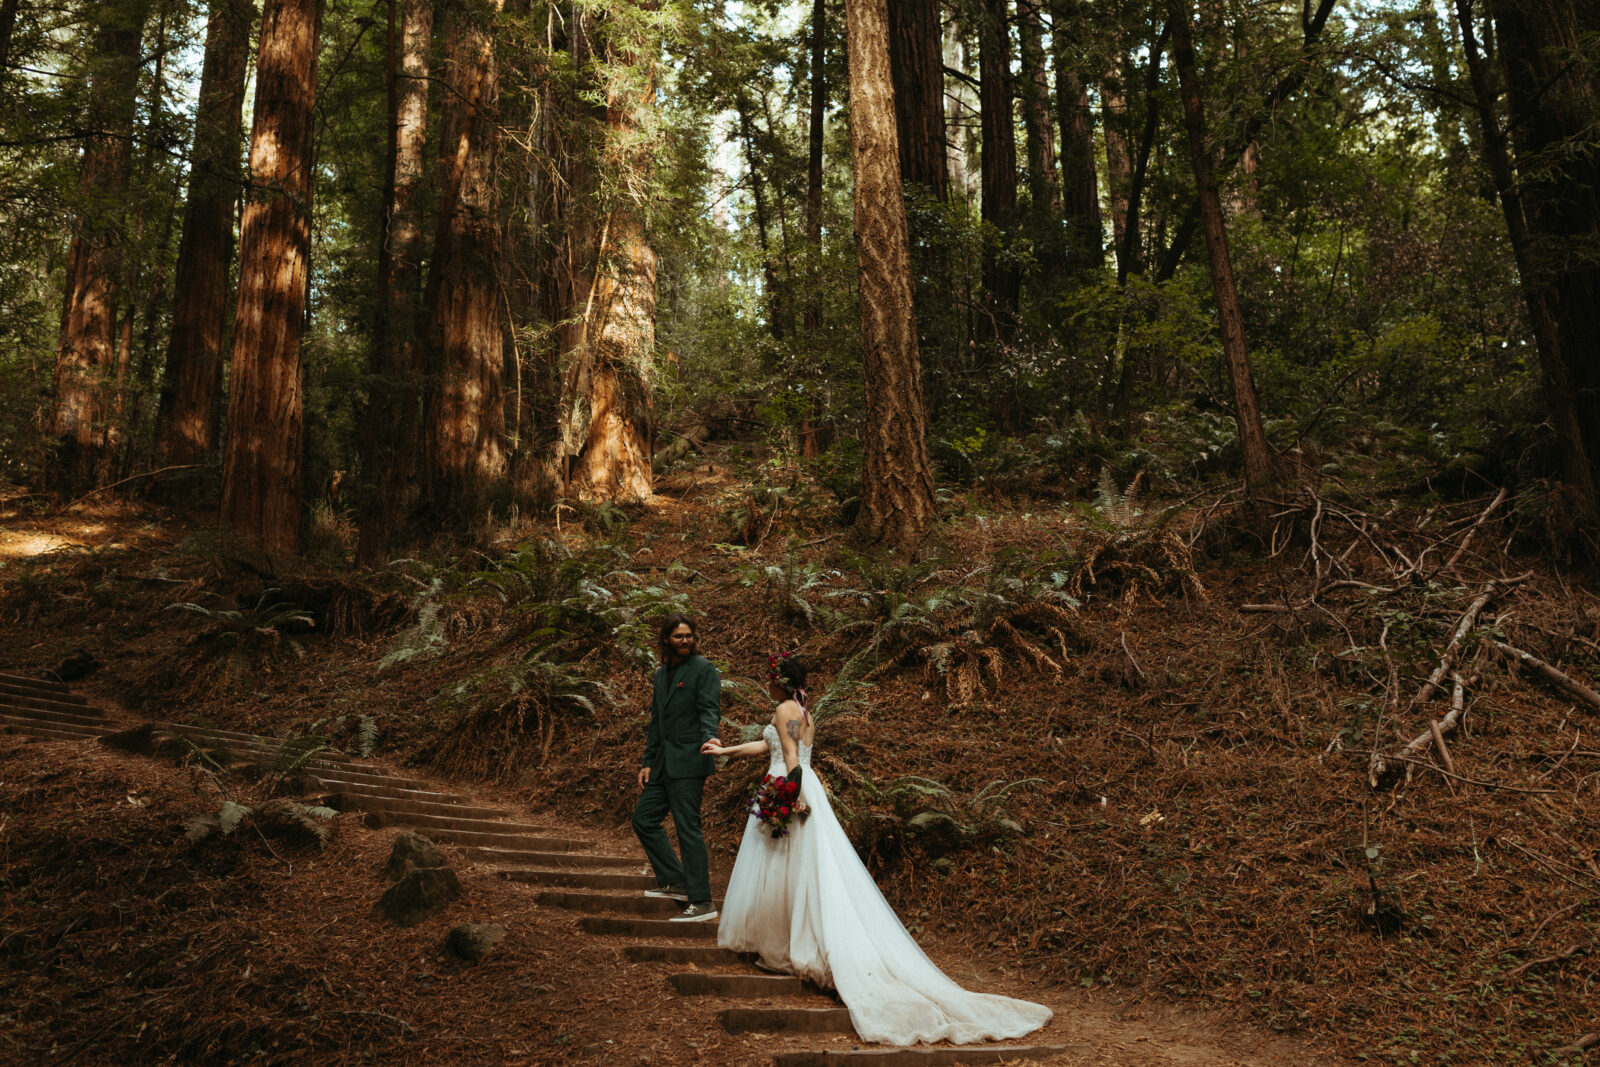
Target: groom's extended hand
[(644, 777)]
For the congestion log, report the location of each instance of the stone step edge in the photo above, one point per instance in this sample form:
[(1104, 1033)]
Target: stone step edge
[(43, 683), (945, 1056)]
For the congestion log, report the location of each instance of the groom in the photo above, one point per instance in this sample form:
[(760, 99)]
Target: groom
[(685, 712)]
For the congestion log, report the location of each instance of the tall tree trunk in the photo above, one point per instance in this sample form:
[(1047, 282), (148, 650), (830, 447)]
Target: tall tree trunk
[(776, 316), (86, 361), (1002, 281), (1576, 468), (8, 24), (611, 351), (1044, 185), (192, 388), (1080, 199), (814, 146), (395, 361), (1115, 122), (897, 506), (955, 129), (1554, 91), (465, 422), (1247, 410), (916, 59), (261, 460)]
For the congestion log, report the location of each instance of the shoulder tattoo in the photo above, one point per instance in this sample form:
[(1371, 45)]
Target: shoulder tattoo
[(795, 729)]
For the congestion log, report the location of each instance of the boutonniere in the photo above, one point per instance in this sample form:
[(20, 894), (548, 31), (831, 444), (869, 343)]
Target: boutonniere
[(680, 685)]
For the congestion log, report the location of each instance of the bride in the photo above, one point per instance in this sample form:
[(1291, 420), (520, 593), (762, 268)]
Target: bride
[(806, 905)]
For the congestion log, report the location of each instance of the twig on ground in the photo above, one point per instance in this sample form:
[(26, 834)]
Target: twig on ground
[(1473, 529), (1474, 781), (1565, 954), (1586, 1041), (1558, 678), (124, 481)]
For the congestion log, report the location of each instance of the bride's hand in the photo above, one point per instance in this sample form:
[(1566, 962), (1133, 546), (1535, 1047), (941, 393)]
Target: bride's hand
[(712, 747)]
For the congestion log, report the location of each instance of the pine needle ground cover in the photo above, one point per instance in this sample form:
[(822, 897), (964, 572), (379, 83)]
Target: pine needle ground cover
[(1207, 792)]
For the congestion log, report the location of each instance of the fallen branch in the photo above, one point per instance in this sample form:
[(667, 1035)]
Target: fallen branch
[(1438, 744), (1473, 781), (1565, 954), (1434, 733), (1586, 1041), (1557, 678), (124, 481), (1473, 529), (1469, 618)]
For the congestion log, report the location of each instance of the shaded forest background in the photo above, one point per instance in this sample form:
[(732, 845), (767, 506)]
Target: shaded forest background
[(407, 267)]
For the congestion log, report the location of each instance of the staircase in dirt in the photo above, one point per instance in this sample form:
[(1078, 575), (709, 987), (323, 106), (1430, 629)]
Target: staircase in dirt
[(605, 891)]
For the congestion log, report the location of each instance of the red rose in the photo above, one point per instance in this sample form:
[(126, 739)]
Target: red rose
[(783, 811)]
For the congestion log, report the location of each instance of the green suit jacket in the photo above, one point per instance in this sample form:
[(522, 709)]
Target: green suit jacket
[(685, 712)]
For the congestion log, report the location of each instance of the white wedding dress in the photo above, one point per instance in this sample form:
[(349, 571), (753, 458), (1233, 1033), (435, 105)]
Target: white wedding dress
[(808, 906)]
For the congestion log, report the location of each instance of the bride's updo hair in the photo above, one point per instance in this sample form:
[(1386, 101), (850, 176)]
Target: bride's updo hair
[(789, 671)]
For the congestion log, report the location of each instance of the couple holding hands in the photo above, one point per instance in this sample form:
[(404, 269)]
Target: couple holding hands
[(799, 898)]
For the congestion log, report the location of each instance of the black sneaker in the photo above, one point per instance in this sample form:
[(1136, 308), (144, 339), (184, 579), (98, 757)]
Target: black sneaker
[(696, 913), (668, 892)]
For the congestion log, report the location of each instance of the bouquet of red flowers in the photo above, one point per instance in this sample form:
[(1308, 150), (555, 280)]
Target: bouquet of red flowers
[(776, 802)]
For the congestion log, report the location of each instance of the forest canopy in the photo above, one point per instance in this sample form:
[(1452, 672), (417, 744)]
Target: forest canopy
[(357, 272)]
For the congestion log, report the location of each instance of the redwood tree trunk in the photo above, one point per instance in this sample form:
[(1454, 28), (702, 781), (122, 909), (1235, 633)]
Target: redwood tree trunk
[(86, 361), (1044, 186), (814, 136), (261, 460), (916, 59), (1257, 456), (897, 505), (1002, 282), (1576, 468), (192, 387), (390, 438), (611, 347), (1114, 122), (1554, 90), (8, 23), (465, 422), (1080, 185)]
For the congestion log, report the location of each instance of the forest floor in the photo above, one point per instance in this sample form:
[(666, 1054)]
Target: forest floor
[(1142, 805)]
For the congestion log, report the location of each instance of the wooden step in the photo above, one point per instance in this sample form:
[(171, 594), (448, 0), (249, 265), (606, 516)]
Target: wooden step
[(473, 823), (928, 1057), (700, 984), (345, 800), (373, 776), (694, 955), (434, 828), (82, 729), (269, 746), (42, 684), (618, 926), (33, 698), (608, 903), (492, 854), (35, 729), (786, 1020), (77, 716), (337, 781), (582, 879)]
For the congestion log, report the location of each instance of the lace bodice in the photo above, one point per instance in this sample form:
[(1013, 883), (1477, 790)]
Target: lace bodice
[(775, 761)]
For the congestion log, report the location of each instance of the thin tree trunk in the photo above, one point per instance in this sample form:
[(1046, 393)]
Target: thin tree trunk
[(1002, 281), (1044, 185), (86, 361), (916, 59), (465, 422), (1114, 120), (1553, 87), (897, 506), (1080, 190), (395, 361), (1257, 456), (192, 388), (261, 468), (769, 272)]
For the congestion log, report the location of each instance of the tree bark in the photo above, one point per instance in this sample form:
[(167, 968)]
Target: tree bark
[(395, 362), (1247, 411), (86, 360), (897, 506), (776, 315), (464, 451), (1554, 94), (1044, 185), (916, 59), (814, 146), (1002, 282), (192, 387), (610, 346), (1114, 121), (1080, 190), (261, 468)]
